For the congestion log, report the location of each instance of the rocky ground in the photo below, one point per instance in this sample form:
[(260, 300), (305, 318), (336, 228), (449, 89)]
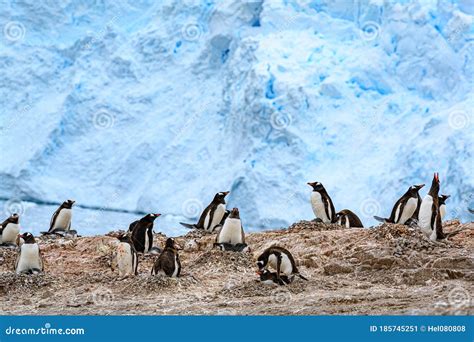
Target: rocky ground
[(390, 269)]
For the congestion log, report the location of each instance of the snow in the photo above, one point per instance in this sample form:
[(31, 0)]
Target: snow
[(150, 106)]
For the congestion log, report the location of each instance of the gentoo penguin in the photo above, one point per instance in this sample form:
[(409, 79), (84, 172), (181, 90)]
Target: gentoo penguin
[(9, 230), (231, 235), (29, 258), (405, 207), (268, 277), (168, 261), (279, 259), (348, 219), (212, 215), (442, 205), (429, 216), (127, 257), (61, 219), (142, 233), (323, 207)]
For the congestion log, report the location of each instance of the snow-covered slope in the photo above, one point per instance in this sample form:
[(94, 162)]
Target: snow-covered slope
[(155, 106)]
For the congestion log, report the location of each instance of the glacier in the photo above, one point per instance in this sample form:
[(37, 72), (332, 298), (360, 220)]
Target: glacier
[(145, 106)]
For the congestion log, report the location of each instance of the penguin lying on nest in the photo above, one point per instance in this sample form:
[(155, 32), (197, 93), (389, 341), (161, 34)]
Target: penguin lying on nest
[(267, 277), (231, 237), (60, 224)]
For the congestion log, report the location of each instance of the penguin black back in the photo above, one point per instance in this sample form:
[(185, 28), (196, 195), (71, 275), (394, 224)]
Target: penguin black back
[(168, 262)]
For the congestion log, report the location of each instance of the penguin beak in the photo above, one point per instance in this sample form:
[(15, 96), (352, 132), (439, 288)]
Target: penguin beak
[(157, 215), (226, 193), (420, 186), (259, 272), (436, 176), (311, 184)]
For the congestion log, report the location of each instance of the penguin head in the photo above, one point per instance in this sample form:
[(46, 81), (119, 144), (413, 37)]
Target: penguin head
[(265, 275), (262, 262), (442, 199), (317, 186), (234, 213), (14, 218), (415, 188), (27, 237), (170, 243), (434, 186), (124, 237), (150, 217), (68, 204), (220, 197)]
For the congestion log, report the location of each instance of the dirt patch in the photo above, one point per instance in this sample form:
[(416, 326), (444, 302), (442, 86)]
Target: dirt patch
[(389, 269)]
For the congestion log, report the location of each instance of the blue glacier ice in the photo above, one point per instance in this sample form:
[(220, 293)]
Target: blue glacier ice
[(154, 106)]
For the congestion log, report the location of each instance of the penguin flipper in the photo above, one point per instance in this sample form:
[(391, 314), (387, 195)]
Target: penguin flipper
[(189, 225), (380, 219)]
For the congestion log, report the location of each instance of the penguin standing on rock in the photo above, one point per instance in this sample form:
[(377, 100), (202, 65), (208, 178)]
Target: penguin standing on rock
[(61, 220), (9, 230), (127, 257), (321, 203), (142, 233), (405, 207), (168, 261), (430, 216), (211, 216), (348, 219), (29, 258), (231, 236), (279, 259), (442, 205)]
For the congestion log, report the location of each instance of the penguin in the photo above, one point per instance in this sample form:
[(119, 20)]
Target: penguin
[(29, 258), (279, 259), (323, 207), (430, 216), (9, 230), (142, 233), (348, 219), (442, 205), (61, 220), (232, 233), (168, 261), (268, 277), (212, 215), (405, 207), (127, 257)]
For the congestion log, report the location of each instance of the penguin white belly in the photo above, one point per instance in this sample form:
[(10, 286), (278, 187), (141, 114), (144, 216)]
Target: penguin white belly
[(63, 220), (442, 211), (146, 246), (10, 233), (231, 232), (176, 267), (216, 218), (29, 258), (124, 259), (318, 207), (285, 266), (424, 216), (408, 210)]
